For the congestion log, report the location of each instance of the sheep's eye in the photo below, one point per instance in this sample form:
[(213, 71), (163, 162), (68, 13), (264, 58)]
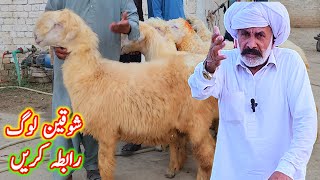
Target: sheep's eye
[(175, 27)]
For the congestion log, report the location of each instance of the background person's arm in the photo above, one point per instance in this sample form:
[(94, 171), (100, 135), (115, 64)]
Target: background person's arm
[(133, 18), (53, 5)]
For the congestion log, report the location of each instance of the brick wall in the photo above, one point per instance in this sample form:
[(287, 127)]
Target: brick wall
[(17, 18)]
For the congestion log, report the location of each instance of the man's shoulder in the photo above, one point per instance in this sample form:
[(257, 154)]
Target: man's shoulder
[(285, 52), (288, 57)]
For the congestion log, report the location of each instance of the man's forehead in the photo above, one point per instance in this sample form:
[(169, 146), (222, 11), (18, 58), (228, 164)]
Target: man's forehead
[(266, 29)]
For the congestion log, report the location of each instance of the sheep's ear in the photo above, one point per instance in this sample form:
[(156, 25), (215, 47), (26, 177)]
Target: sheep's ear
[(70, 23), (175, 27), (71, 35), (72, 31)]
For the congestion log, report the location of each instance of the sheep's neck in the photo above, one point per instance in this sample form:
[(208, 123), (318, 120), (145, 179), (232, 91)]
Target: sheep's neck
[(206, 34), (186, 44), (88, 56), (159, 48)]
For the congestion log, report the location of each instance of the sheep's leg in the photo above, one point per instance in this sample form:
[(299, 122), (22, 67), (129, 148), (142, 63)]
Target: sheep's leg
[(178, 155), (203, 149), (182, 150), (107, 157)]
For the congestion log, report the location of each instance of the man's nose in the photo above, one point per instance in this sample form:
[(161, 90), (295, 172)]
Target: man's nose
[(251, 43)]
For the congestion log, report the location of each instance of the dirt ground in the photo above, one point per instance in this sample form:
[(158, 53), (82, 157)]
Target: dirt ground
[(150, 165), (14, 100)]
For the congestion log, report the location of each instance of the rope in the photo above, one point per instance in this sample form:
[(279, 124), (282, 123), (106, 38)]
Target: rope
[(41, 92), (18, 142)]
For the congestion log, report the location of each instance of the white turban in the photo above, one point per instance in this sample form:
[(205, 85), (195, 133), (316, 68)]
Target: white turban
[(243, 15)]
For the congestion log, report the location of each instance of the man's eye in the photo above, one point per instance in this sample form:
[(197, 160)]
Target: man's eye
[(260, 35), (245, 34)]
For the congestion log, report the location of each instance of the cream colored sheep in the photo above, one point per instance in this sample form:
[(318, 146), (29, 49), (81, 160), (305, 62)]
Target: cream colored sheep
[(186, 38), (154, 46), (183, 35), (179, 31), (190, 40), (200, 28), (142, 103), (150, 43)]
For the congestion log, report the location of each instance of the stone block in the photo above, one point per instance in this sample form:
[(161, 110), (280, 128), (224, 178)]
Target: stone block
[(19, 1), (4, 8), (20, 14), (35, 7), (4, 79), (39, 80), (12, 8), (4, 72), (5, 2), (27, 7), (35, 14), (35, 1), (20, 8), (6, 60), (7, 28), (12, 73), (9, 21), (9, 66)]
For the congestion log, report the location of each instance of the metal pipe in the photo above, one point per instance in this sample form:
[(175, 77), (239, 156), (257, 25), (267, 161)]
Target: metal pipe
[(15, 59)]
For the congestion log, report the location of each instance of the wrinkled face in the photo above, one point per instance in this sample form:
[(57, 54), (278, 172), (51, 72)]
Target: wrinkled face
[(255, 45)]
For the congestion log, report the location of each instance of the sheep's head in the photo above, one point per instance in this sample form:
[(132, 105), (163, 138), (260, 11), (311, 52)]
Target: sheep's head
[(149, 43), (180, 28), (57, 28), (128, 46), (193, 21), (162, 27)]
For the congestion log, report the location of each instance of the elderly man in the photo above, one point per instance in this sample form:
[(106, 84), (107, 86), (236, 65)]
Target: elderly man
[(267, 111)]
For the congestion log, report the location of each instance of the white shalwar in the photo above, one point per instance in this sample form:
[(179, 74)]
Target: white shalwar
[(279, 135)]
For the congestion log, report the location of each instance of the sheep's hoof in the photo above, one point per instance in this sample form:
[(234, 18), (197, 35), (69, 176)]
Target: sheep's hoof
[(158, 148), (170, 174)]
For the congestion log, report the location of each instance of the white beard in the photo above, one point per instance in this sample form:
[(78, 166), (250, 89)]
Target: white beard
[(254, 62)]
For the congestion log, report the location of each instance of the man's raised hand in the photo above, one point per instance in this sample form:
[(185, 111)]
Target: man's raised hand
[(122, 26), (214, 57)]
